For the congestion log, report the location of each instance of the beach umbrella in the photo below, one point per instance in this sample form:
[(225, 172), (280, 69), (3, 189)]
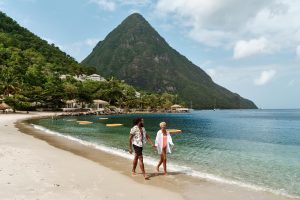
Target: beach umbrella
[(4, 106)]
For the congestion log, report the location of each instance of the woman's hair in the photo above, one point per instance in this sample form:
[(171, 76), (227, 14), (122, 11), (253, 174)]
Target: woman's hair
[(136, 121), (162, 123)]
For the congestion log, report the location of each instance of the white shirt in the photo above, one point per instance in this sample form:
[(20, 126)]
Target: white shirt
[(159, 141), (137, 136)]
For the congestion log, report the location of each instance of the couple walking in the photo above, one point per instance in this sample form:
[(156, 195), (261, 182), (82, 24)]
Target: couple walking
[(137, 139)]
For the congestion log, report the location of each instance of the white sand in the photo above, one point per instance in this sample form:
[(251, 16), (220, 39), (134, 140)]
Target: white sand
[(32, 169)]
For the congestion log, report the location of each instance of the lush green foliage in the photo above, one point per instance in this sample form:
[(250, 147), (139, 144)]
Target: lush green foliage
[(136, 53), (30, 70), (18, 40), (117, 93)]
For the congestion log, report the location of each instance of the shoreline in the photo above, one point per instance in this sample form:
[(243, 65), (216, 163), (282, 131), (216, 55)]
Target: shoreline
[(185, 186), (30, 168)]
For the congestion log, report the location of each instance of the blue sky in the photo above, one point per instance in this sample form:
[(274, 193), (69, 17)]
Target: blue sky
[(250, 47)]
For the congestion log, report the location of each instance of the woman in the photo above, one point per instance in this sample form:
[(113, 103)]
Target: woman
[(162, 142)]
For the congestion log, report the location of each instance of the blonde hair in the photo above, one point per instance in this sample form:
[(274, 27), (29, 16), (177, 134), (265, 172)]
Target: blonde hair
[(162, 123)]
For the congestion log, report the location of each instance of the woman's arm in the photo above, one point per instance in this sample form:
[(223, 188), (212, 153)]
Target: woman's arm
[(149, 140)]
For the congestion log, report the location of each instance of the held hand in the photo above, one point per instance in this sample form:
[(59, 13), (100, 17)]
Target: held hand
[(130, 151), (154, 147)]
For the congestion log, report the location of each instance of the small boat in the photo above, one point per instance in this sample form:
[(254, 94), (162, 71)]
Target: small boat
[(113, 125), (83, 123)]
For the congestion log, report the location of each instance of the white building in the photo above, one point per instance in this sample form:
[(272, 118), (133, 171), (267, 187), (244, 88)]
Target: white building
[(137, 94), (95, 77), (83, 77)]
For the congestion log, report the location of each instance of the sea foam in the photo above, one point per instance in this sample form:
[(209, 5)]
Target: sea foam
[(172, 167)]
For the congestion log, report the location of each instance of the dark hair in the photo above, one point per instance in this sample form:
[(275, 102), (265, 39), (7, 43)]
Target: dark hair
[(137, 120)]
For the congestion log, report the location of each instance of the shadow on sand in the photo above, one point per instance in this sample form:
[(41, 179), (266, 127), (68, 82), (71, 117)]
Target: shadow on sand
[(156, 174)]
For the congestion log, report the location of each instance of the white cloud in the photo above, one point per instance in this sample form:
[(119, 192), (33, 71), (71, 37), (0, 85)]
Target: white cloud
[(91, 41), (252, 47), (134, 2), (105, 4), (221, 23), (111, 5), (80, 49), (265, 77)]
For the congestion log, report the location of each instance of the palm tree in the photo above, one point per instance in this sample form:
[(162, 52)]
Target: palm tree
[(9, 83)]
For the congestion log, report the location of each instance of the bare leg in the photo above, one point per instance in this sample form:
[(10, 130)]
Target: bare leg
[(165, 160), (142, 167), (160, 162), (134, 164)]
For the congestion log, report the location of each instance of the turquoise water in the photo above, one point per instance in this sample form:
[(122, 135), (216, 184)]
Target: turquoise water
[(258, 149)]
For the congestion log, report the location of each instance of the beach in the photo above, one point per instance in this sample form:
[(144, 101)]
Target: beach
[(32, 169), (37, 165)]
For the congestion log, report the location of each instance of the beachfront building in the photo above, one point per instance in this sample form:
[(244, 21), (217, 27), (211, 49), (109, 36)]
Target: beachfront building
[(178, 108), (99, 104), (71, 104), (74, 105), (175, 107)]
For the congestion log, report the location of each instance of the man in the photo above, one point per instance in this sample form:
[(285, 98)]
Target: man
[(137, 139)]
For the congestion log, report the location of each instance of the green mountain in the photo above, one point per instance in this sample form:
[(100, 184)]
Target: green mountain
[(30, 70), (18, 41), (136, 53)]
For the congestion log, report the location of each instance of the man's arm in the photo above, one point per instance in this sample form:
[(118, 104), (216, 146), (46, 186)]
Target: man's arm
[(130, 143), (149, 140)]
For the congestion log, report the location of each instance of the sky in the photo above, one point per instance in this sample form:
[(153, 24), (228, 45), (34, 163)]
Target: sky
[(250, 47)]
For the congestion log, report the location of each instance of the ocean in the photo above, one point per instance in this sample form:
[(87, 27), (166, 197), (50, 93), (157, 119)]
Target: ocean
[(256, 149)]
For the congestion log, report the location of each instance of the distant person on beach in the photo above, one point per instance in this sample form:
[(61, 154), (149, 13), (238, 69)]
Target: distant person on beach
[(162, 142), (137, 139)]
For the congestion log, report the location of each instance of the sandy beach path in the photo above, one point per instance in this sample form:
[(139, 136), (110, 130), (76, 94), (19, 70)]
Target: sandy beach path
[(32, 169)]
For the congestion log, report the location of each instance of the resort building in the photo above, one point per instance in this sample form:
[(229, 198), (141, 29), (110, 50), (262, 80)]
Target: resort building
[(74, 105), (137, 94), (99, 104), (95, 77), (83, 77), (179, 108)]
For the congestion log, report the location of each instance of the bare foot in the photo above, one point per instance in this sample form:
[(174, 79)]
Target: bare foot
[(133, 173), (157, 169), (166, 174), (146, 177)]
